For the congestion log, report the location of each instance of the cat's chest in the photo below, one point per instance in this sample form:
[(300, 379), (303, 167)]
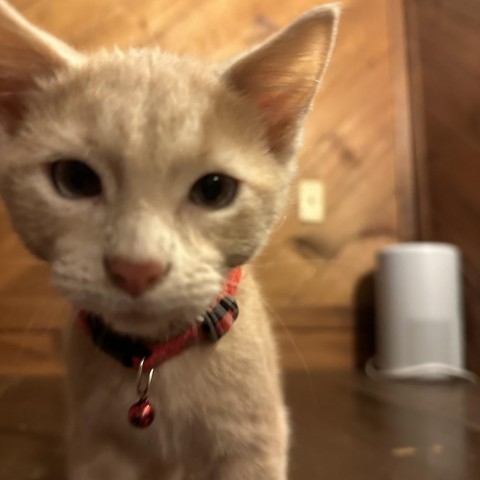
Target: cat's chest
[(103, 390), (99, 378)]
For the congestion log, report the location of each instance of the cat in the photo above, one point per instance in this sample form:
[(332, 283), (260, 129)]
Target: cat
[(148, 181)]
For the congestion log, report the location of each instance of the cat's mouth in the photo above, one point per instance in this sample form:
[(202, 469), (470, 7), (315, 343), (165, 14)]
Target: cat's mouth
[(148, 353), (178, 299), (149, 321), (169, 303), (138, 323), (151, 318)]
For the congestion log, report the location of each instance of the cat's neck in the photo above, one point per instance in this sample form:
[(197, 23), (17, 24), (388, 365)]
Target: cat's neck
[(134, 352), (161, 328)]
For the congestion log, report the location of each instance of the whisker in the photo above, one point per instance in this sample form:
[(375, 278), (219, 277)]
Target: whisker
[(278, 319)]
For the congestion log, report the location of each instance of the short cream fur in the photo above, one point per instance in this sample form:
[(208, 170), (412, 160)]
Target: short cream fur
[(150, 124)]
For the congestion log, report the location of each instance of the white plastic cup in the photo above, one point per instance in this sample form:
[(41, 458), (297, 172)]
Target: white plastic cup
[(420, 328)]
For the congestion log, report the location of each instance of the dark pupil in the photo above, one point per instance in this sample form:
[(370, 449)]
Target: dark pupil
[(75, 179), (211, 187), (79, 178)]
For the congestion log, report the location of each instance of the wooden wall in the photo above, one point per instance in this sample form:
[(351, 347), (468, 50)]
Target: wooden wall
[(354, 143), (445, 59)]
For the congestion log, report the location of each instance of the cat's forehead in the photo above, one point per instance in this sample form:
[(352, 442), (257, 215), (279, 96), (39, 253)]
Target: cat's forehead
[(149, 76), (142, 104)]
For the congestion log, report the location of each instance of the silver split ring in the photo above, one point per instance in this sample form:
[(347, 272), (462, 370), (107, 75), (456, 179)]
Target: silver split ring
[(143, 382)]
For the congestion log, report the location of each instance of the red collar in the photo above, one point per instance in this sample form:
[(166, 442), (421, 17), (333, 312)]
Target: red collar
[(131, 351)]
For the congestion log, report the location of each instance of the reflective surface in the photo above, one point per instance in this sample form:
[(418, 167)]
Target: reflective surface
[(345, 427)]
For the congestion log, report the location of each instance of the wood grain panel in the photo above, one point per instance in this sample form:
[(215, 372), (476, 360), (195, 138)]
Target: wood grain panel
[(446, 55), (455, 201), (351, 149), (316, 349), (351, 144), (30, 352)]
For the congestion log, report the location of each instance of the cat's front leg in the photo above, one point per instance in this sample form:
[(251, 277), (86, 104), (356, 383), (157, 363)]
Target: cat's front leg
[(94, 455), (253, 466), (111, 464), (100, 462)]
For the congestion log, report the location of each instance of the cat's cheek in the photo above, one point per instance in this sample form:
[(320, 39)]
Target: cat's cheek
[(247, 232), (42, 219), (34, 229), (243, 250)]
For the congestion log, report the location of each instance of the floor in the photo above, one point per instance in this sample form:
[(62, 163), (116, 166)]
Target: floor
[(345, 427)]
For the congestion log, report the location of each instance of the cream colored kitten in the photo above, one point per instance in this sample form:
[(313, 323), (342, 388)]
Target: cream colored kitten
[(143, 178)]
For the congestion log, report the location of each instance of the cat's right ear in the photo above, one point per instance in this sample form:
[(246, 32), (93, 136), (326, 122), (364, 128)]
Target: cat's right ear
[(26, 53), (281, 76)]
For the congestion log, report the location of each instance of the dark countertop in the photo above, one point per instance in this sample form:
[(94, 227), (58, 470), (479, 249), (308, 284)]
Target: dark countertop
[(345, 427)]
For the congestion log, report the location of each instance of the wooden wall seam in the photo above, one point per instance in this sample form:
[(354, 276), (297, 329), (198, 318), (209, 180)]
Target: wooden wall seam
[(407, 174)]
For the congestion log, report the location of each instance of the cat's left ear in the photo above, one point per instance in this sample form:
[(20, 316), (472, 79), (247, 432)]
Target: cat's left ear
[(26, 53), (281, 76)]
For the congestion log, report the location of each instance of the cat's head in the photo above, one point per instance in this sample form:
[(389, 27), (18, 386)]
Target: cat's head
[(143, 177)]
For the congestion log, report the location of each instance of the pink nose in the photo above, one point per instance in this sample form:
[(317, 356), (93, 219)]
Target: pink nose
[(133, 278)]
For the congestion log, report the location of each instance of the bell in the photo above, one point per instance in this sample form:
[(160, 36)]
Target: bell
[(141, 413)]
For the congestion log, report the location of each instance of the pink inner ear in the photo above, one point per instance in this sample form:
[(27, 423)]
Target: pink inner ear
[(12, 106), (26, 52), (282, 110), (276, 106)]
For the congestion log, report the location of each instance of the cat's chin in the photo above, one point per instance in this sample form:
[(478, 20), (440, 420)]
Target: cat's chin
[(164, 313), (163, 308), (149, 320), (149, 325)]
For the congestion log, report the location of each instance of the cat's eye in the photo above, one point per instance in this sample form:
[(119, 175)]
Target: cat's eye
[(74, 179), (214, 191)]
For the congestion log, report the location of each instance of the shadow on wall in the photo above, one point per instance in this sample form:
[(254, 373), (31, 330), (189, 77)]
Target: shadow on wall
[(364, 320)]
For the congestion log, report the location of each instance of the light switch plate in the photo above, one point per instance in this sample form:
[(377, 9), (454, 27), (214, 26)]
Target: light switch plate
[(311, 201)]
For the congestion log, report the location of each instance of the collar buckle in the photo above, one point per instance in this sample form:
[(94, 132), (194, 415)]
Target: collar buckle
[(218, 320)]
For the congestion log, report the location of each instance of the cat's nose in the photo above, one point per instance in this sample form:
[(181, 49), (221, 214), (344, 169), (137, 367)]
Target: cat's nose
[(134, 278)]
